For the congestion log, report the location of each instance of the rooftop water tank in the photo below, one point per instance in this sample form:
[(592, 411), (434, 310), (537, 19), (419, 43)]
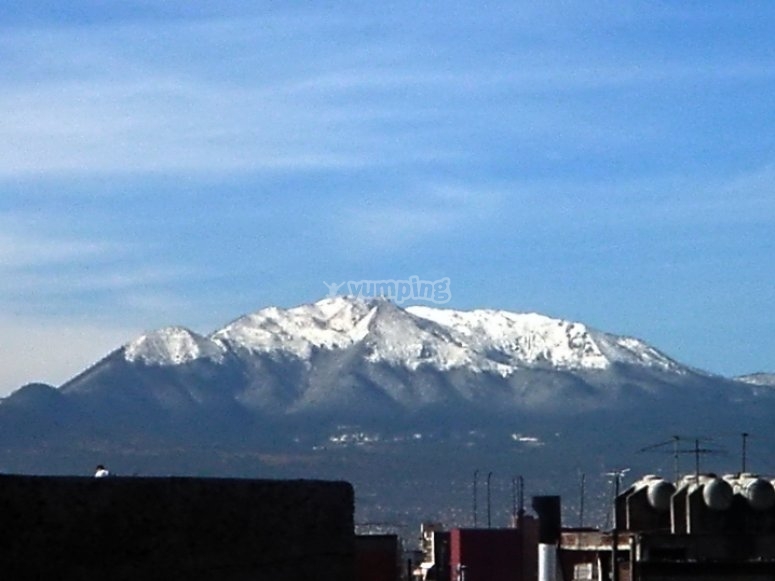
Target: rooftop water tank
[(717, 493), (659, 492), (759, 493)]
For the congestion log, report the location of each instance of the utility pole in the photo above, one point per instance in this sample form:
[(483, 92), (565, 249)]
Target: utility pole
[(676, 468), (489, 522), (697, 460), (514, 500), (476, 477), (617, 476)]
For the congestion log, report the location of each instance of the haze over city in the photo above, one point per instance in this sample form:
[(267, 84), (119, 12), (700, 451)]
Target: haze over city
[(178, 163)]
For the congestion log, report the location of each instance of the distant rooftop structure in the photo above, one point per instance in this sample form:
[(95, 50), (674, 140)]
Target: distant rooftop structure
[(707, 527)]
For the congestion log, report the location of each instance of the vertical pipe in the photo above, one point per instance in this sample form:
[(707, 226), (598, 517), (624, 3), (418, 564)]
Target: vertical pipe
[(697, 459), (548, 509), (547, 562), (676, 468), (514, 500), (476, 477), (581, 500), (489, 522), (615, 532)]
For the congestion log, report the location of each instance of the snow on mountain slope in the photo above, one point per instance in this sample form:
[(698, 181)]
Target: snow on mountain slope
[(530, 339), (397, 336), (634, 351), (331, 323), (479, 340), (764, 379), (521, 339), (172, 346)]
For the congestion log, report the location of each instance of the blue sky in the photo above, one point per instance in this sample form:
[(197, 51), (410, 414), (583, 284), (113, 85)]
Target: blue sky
[(165, 162)]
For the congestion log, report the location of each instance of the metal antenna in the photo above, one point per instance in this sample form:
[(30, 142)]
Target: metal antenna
[(617, 476), (476, 477), (489, 522), (516, 505), (676, 451), (745, 438), (697, 459), (581, 499), (674, 441), (676, 468)]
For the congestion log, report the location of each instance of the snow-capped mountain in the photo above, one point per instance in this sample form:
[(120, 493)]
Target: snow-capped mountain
[(172, 346), (347, 359), (479, 341), (364, 390), (760, 379)]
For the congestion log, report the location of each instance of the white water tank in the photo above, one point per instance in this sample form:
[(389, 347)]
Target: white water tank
[(717, 493), (758, 492), (659, 492)]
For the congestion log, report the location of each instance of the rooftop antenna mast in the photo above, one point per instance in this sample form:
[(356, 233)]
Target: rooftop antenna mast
[(514, 499), (617, 479), (582, 494), (745, 439), (476, 478), (676, 454), (616, 476), (489, 522), (677, 451)]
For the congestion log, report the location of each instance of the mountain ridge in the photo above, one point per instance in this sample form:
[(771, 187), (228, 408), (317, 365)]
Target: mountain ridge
[(344, 352), (349, 388), (458, 337)]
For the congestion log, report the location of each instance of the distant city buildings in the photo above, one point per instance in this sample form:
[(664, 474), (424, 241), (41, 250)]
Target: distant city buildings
[(702, 528)]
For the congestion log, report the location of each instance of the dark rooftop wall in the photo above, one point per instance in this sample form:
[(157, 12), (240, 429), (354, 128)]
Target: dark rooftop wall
[(377, 558), (69, 528), (487, 554)]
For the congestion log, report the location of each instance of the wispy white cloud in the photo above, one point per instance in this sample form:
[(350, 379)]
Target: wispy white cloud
[(59, 275), (302, 135), (395, 222), (109, 277), (19, 251), (108, 103)]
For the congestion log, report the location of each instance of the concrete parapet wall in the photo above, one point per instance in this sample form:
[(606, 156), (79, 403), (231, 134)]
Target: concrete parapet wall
[(68, 528)]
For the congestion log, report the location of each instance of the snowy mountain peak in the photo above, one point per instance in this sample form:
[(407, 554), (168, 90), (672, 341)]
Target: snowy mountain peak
[(761, 379), (520, 339), (172, 346), (331, 323), (481, 340)]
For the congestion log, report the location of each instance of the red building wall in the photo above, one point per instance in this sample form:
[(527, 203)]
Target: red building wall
[(376, 558), (494, 554)]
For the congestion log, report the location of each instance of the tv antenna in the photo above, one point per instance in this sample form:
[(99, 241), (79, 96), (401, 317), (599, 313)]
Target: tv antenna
[(616, 476), (677, 450), (517, 498)]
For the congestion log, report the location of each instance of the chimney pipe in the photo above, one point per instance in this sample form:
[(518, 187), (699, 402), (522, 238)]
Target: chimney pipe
[(548, 510)]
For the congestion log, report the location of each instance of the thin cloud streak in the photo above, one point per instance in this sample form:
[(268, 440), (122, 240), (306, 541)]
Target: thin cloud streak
[(432, 211), (158, 167), (102, 108)]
